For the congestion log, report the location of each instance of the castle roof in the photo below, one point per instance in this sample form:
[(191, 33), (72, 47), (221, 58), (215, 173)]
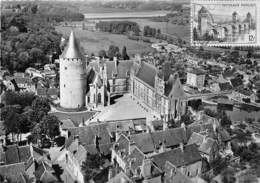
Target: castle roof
[(72, 50), (147, 73), (177, 157)]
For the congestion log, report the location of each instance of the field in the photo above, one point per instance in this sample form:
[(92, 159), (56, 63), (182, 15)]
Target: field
[(93, 42), (182, 31)]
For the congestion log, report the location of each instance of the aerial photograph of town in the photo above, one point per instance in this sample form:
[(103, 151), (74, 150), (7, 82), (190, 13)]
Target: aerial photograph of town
[(115, 91)]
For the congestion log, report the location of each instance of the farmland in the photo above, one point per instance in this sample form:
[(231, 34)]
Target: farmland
[(93, 42), (173, 29)]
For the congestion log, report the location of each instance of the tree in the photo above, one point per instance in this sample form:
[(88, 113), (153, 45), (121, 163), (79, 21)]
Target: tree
[(124, 54), (34, 9), (186, 119), (22, 99), (41, 104), (36, 134), (50, 126), (228, 175), (37, 55), (10, 121), (91, 166), (102, 54), (24, 60), (112, 51)]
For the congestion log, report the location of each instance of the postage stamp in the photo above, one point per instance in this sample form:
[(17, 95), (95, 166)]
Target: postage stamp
[(225, 22)]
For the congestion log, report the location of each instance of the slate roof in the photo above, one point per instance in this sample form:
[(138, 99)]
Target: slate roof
[(149, 142), (244, 91), (47, 91), (225, 86), (173, 175), (122, 144), (225, 136), (72, 49), (44, 173), (120, 177), (207, 145), (178, 158), (17, 154), (22, 80), (90, 135), (121, 68), (144, 142), (13, 172), (147, 73), (136, 157), (236, 82), (196, 138), (76, 117)]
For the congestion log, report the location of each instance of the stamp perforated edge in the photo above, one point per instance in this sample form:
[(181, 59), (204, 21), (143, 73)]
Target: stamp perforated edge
[(212, 44)]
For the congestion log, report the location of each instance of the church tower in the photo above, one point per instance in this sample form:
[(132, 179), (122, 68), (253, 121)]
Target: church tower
[(72, 76)]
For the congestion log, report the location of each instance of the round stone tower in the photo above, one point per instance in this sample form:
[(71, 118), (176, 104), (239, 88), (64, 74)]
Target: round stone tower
[(72, 76)]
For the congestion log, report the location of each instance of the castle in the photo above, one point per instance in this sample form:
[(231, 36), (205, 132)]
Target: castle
[(95, 83)]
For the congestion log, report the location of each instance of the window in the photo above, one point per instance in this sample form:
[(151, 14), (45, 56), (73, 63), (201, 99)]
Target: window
[(64, 85), (65, 68)]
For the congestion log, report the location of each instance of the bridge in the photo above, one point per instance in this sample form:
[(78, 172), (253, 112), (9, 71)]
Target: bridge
[(222, 30)]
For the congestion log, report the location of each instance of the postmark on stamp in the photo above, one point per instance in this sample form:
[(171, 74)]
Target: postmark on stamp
[(225, 22)]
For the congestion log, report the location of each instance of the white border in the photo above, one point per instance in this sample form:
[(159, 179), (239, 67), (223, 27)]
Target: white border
[(227, 44)]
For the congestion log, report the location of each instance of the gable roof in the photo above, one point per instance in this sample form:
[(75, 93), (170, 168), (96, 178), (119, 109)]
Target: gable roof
[(13, 171), (149, 142), (17, 154), (236, 82), (173, 175), (196, 138), (44, 173), (207, 145), (144, 142), (92, 137), (120, 68), (147, 73), (76, 117), (177, 157), (120, 177), (225, 86)]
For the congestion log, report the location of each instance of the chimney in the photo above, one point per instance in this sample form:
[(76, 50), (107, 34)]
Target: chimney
[(138, 58), (131, 146), (162, 146), (165, 126), (115, 61), (146, 168), (182, 147), (184, 129), (215, 126), (67, 158)]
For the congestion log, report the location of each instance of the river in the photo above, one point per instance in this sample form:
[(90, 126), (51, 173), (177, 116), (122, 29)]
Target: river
[(115, 15), (237, 114)]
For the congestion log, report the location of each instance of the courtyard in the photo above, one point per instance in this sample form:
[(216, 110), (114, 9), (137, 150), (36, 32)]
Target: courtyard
[(125, 107)]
